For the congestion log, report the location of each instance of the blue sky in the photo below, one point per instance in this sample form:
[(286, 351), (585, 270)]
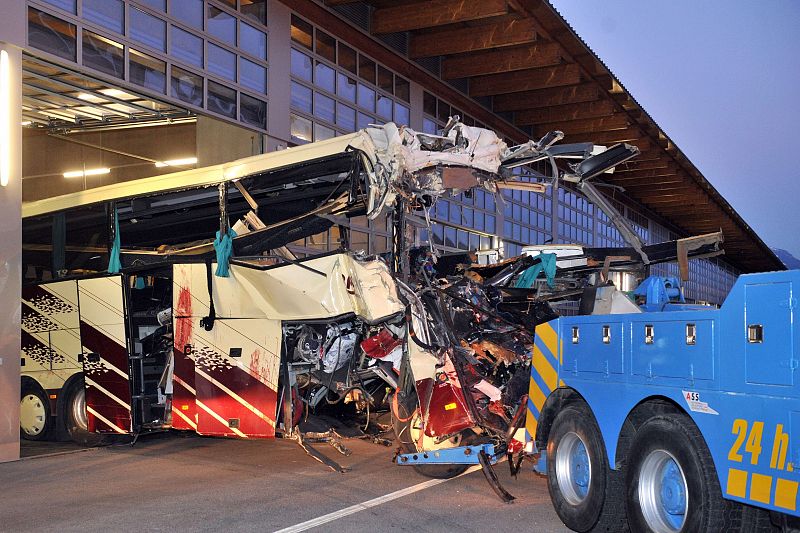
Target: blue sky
[(722, 79)]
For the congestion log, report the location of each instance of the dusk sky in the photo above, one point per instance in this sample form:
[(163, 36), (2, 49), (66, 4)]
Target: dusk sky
[(722, 79)]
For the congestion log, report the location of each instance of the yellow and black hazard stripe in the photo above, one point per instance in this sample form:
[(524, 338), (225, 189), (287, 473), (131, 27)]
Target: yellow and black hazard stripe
[(547, 357)]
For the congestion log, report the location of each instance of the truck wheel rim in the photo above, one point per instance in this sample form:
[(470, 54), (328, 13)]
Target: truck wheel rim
[(32, 415), (573, 468), (663, 494), (78, 410)]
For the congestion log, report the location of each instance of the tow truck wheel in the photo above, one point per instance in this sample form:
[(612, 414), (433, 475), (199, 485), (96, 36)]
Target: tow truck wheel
[(407, 424), (74, 414), (35, 422), (671, 484), (587, 496)]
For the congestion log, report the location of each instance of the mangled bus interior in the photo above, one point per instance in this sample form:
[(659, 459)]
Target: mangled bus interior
[(174, 301)]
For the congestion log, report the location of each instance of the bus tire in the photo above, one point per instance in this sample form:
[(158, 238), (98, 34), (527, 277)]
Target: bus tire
[(671, 483), (74, 414), (35, 422), (586, 494), (406, 422)]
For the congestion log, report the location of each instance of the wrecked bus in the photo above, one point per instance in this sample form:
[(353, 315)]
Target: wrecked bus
[(173, 302)]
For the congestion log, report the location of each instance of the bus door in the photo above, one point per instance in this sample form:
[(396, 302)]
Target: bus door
[(105, 354), (234, 358)]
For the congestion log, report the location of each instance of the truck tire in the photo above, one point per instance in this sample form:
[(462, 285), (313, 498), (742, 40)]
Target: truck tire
[(586, 494), (35, 422), (671, 483), (74, 414), (407, 425)]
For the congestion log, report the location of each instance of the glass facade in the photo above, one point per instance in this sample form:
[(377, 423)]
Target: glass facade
[(214, 57), (214, 54), (337, 90)]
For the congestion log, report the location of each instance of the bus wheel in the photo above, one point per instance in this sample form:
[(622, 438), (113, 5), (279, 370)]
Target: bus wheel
[(586, 494), (35, 422), (671, 484), (75, 417)]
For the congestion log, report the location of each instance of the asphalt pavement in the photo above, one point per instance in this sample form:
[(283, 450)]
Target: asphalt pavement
[(171, 482)]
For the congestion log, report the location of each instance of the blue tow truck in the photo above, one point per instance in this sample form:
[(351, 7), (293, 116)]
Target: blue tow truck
[(669, 417)]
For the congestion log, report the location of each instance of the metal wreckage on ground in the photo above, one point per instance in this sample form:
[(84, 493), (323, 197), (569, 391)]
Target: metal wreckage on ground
[(238, 337)]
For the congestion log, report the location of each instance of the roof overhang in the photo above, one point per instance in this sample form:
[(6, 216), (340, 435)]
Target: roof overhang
[(523, 60)]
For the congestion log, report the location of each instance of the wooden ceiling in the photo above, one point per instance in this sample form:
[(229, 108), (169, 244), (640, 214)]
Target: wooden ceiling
[(540, 76)]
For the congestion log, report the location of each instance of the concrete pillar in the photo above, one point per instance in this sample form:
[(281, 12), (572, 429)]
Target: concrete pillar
[(12, 30), (279, 43)]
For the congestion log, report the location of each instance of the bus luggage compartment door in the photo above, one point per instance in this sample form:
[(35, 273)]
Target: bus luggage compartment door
[(105, 355)]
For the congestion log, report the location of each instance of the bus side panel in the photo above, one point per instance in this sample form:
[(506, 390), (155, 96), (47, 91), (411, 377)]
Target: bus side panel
[(51, 341), (105, 361), (235, 364), (184, 407)]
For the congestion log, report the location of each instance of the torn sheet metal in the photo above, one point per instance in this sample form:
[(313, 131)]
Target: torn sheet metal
[(418, 165)]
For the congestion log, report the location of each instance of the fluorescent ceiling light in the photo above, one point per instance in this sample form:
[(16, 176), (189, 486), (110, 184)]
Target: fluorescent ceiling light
[(116, 93), (5, 118), (87, 172), (25, 123), (177, 162)]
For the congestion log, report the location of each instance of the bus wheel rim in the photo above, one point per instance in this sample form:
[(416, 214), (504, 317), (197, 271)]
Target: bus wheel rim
[(32, 415), (78, 409)]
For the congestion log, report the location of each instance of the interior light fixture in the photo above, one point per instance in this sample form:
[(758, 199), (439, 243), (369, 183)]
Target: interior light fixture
[(87, 172), (177, 162), (26, 123), (5, 118)]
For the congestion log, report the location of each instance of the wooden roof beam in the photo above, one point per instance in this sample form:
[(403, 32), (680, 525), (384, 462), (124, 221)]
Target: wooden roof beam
[(584, 110), (644, 176), (433, 13), (631, 167), (501, 60), (473, 39), (589, 125), (681, 192), (544, 98), (524, 80), (636, 188), (608, 138)]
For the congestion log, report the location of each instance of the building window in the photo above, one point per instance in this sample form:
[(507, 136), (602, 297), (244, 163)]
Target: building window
[(302, 32), (148, 30), (252, 75), (252, 111), (187, 11), (221, 99), (340, 102), (187, 86), (158, 5), (186, 47), (301, 65), (148, 71), (66, 5), (301, 129), (255, 10), (107, 13), (253, 41), (103, 54), (301, 97), (51, 34), (221, 62), (222, 25)]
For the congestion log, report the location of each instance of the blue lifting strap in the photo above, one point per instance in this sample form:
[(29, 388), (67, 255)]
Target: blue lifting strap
[(114, 264), (223, 246)]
